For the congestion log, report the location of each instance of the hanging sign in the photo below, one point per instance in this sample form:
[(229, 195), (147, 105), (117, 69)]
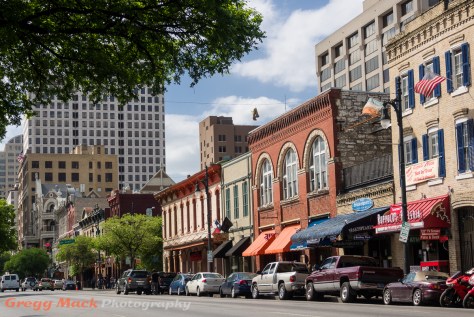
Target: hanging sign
[(362, 204)]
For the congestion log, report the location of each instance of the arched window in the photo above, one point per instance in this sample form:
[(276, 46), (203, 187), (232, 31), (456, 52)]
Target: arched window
[(318, 165), (266, 194), (290, 181)]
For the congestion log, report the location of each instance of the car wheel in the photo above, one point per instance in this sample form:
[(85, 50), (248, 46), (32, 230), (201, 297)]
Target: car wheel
[(178, 291), (17, 290), (310, 291), (417, 297), (198, 292), (347, 294), (232, 293), (282, 293), (117, 290), (139, 292), (468, 301), (387, 297), (186, 291), (255, 293)]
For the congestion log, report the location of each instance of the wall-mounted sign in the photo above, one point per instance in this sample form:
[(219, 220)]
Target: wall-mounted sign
[(362, 204), (347, 244), (430, 234), (363, 236), (421, 172)]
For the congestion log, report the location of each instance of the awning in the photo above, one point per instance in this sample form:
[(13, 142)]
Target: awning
[(239, 247), (220, 251), (301, 245), (422, 214), (260, 244), (330, 229), (282, 242)]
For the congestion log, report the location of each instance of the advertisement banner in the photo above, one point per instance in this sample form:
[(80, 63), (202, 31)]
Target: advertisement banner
[(421, 172), (430, 234)]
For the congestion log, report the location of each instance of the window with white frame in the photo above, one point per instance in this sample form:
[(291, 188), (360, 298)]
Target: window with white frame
[(458, 68), (318, 165), (290, 181), (465, 145), (227, 202), (433, 146), (245, 199), (236, 202), (405, 95), (410, 147), (266, 192), (429, 68)]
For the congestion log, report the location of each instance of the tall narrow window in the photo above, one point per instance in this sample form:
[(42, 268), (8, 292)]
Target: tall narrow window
[(458, 68), (227, 202), (266, 193), (236, 202), (465, 145), (318, 165), (245, 199), (290, 181), (433, 147)]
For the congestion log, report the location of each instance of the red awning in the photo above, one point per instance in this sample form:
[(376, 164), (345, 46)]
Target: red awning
[(260, 244), (282, 243), (422, 214)]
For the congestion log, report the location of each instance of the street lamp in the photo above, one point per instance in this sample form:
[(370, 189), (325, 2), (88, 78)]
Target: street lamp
[(205, 182), (385, 123)]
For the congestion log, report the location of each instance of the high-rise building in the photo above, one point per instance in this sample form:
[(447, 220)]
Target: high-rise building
[(134, 132), (220, 139), (9, 163), (353, 57)]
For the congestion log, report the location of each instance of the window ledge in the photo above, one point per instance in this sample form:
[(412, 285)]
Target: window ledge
[(436, 181), (465, 176), (266, 207), (461, 90), (433, 101), (411, 188), (407, 112), (319, 192), (290, 201)]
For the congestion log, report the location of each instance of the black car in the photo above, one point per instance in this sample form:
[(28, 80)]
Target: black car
[(165, 281)]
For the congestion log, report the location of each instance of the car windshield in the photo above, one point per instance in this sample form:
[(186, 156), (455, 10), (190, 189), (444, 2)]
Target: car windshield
[(139, 274), (247, 276), (212, 275), (292, 267)]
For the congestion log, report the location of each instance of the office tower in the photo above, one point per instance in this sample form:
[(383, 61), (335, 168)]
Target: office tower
[(9, 163)]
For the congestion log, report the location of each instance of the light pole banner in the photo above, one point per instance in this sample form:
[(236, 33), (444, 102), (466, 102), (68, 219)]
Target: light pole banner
[(421, 172)]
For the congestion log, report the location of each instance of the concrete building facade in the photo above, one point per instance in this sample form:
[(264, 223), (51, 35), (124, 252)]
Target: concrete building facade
[(220, 139), (10, 159), (354, 57)]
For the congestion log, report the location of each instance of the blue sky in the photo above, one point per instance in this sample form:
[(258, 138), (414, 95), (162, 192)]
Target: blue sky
[(279, 76)]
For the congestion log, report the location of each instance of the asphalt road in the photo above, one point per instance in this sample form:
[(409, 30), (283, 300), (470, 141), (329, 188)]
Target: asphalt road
[(107, 303)]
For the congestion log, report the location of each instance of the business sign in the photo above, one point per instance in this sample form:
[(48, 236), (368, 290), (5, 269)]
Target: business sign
[(66, 241), (347, 244), (421, 172), (430, 234), (362, 204), (404, 232)]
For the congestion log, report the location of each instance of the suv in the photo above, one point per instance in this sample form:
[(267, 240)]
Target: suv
[(46, 283), (165, 281), (9, 281), (134, 281), (29, 283)]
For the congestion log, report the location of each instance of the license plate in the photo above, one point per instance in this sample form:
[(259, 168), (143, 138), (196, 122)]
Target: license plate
[(140, 282)]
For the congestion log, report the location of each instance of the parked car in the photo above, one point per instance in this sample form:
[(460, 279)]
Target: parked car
[(284, 278), (204, 282), (9, 282), (350, 276), (134, 281), (69, 285), (46, 283), (178, 285), (237, 284), (29, 283), (416, 287), (58, 284), (165, 281)]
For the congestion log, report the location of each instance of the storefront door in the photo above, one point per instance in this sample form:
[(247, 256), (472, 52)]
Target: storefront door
[(466, 237)]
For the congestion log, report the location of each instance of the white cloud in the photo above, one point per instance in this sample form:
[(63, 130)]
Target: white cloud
[(289, 59), (12, 131)]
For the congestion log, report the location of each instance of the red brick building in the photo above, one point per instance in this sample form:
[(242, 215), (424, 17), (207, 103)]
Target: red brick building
[(297, 162)]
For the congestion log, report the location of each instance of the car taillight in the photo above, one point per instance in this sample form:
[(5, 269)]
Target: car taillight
[(243, 282), (129, 280), (148, 279), (204, 281), (433, 286), (292, 278)]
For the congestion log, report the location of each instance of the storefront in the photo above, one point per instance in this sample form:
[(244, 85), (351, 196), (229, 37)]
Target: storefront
[(430, 221), (259, 245)]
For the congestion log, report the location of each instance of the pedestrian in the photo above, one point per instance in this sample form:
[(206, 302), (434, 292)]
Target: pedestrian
[(155, 282)]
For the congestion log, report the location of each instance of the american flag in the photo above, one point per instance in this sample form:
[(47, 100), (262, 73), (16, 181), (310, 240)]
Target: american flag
[(20, 157), (428, 83)]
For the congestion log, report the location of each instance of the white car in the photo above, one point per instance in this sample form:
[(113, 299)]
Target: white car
[(204, 282), (9, 282), (29, 283)]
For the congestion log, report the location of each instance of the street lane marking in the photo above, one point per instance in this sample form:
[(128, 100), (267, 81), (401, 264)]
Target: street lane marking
[(291, 314)]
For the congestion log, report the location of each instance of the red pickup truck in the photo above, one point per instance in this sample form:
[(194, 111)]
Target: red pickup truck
[(350, 276)]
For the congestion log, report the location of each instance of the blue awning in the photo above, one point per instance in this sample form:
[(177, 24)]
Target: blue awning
[(301, 245), (331, 228)]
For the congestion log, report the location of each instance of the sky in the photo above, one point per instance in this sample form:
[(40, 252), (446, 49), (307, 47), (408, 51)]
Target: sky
[(277, 77)]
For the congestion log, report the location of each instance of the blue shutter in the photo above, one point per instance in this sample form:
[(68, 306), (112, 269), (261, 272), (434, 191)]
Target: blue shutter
[(460, 146), (436, 69), (442, 161), (411, 89), (449, 72), (414, 156), (466, 74), (421, 71), (426, 153), (470, 136)]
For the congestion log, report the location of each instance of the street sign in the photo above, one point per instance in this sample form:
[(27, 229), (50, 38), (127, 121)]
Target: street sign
[(210, 257), (66, 241), (404, 232)]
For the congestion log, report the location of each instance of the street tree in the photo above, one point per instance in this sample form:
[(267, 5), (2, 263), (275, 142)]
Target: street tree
[(133, 236), (80, 254), (103, 47), (4, 257), (7, 226), (28, 262)]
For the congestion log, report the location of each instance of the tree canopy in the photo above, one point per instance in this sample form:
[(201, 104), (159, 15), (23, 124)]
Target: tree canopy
[(79, 254), (103, 47), (28, 262), (7, 226), (133, 236)]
